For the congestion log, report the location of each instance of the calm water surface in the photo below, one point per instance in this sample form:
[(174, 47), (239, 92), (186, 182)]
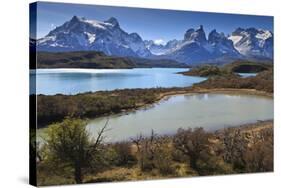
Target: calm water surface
[(73, 81), (245, 75), (211, 111)]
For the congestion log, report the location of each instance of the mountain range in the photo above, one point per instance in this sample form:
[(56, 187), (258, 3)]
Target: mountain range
[(81, 34)]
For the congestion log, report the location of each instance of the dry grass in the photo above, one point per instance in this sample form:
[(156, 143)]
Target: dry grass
[(134, 173)]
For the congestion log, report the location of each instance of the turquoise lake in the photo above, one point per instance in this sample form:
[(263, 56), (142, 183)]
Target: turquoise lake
[(73, 81)]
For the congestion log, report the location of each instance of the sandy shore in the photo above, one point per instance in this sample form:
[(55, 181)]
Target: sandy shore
[(197, 90), (221, 91)]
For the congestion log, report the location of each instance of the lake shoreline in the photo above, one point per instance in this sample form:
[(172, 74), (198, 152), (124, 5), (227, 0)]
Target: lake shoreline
[(164, 95), (196, 91), (217, 91)]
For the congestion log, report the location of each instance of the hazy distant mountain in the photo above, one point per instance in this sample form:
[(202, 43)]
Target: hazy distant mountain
[(160, 49), (80, 34)]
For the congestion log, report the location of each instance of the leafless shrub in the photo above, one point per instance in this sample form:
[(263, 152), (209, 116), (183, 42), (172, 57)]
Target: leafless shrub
[(192, 143), (249, 151), (154, 152)]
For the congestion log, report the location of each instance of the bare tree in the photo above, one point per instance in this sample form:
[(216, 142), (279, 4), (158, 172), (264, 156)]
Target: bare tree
[(259, 155), (235, 146), (154, 152), (145, 149), (249, 151)]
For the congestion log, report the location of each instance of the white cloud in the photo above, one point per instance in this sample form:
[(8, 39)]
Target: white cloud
[(53, 26), (159, 41)]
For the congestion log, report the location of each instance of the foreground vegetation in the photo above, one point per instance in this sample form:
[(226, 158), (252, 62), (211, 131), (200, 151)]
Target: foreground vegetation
[(70, 155), (98, 60)]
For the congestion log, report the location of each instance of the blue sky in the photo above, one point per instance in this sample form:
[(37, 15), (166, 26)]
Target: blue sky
[(151, 24)]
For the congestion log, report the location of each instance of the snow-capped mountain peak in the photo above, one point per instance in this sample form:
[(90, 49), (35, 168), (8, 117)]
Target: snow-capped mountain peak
[(112, 21), (107, 36), (263, 34), (195, 47), (83, 34), (253, 42)]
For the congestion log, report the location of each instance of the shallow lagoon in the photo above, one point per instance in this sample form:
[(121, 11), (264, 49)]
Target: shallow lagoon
[(210, 111)]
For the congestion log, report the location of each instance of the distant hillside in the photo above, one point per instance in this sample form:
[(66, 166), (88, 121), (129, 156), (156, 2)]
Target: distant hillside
[(262, 82), (98, 60), (229, 69), (248, 66), (226, 60), (163, 63)]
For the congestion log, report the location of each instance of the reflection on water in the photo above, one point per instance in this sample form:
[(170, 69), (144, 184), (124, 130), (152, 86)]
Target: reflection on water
[(72, 81), (211, 111), (245, 75)]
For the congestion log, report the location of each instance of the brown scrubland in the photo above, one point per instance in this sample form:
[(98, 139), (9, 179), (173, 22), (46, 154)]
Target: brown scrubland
[(69, 154)]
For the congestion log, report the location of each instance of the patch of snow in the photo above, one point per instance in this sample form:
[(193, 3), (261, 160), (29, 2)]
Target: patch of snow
[(56, 45), (97, 24), (91, 37), (46, 39), (235, 38), (263, 35)]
